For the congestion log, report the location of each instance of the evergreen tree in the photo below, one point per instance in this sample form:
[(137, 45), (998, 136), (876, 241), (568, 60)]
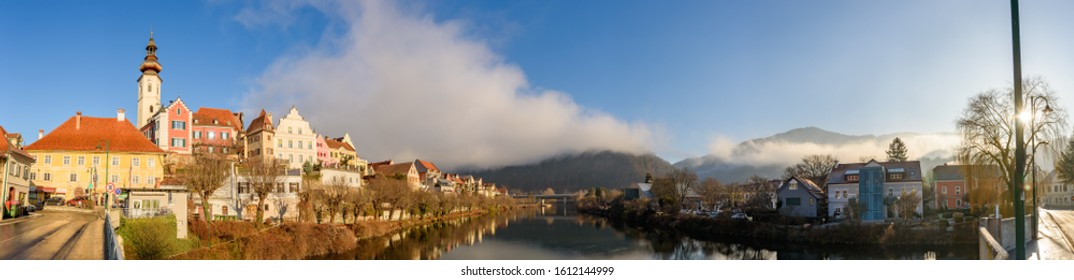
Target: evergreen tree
[(1065, 166), (897, 150)]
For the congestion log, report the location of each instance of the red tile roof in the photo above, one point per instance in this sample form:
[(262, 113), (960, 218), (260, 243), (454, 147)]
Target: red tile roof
[(262, 122), (427, 165), (223, 117), (4, 145), (333, 144), (71, 136)]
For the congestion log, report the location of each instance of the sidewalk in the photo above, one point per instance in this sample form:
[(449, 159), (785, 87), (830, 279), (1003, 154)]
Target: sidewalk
[(8, 221), (1053, 243)]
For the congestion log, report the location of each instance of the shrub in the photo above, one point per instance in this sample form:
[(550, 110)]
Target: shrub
[(149, 238)]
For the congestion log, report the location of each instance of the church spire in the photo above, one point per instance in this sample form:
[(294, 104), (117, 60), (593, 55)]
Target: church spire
[(150, 62)]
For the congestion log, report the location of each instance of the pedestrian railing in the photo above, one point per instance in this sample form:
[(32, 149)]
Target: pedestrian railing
[(989, 248), (112, 249), (146, 212)]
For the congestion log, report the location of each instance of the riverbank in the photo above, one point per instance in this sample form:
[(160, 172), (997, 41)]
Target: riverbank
[(239, 240), (771, 234)]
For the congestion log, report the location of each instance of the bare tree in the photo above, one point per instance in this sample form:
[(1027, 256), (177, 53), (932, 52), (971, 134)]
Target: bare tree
[(987, 127), (281, 203), (908, 205), (712, 192), (813, 167), (335, 194), (761, 193), (208, 173), (387, 194), (264, 175)]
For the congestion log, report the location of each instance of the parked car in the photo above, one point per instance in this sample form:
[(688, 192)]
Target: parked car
[(30, 208), (55, 200), (741, 216)]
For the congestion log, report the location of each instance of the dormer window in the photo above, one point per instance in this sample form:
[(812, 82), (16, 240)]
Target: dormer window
[(793, 185), (852, 178)]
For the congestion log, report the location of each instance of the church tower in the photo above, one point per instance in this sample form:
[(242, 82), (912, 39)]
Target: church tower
[(149, 84)]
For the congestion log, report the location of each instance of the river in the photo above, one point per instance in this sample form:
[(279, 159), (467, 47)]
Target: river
[(556, 233)]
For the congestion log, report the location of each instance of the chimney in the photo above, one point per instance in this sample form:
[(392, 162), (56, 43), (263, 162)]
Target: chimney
[(121, 115), (78, 120), (40, 134)]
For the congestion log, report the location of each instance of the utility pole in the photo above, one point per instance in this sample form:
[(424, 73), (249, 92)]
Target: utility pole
[(1020, 145)]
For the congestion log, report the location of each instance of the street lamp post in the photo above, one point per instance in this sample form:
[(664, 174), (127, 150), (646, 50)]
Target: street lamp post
[(1033, 157), (1020, 145), (107, 146)]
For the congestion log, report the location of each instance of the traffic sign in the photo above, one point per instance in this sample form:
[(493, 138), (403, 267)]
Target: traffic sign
[(110, 187), (117, 191)]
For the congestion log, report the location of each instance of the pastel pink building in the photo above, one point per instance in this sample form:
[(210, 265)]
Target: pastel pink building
[(217, 131), (324, 154), (171, 128)]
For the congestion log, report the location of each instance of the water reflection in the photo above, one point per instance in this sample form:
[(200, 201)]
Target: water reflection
[(560, 234)]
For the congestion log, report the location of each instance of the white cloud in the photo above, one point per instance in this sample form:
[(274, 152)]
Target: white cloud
[(789, 153), (406, 85)]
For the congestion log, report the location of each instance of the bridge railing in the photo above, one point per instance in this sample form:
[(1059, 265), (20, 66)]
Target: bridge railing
[(112, 249), (988, 247)]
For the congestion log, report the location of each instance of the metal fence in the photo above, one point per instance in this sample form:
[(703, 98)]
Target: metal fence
[(146, 212), (112, 248)]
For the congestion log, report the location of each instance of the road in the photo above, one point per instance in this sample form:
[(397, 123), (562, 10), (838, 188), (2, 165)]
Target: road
[(59, 233), (1056, 236)]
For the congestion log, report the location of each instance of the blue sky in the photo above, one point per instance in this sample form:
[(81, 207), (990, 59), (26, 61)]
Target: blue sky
[(685, 72)]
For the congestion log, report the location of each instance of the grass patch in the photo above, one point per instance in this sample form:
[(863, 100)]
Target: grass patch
[(152, 238)]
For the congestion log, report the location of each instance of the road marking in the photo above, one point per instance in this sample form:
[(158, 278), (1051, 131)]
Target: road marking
[(70, 244), (34, 230)]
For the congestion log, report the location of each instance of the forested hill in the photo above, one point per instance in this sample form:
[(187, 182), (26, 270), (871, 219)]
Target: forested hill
[(578, 171)]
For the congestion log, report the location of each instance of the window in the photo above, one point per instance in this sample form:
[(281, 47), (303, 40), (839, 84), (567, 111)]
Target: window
[(48, 159), (300, 131), (958, 190), (66, 160), (289, 131), (794, 201), (210, 149), (178, 125), (292, 187), (943, 190), (136, 162), (179, 111), (793, 185), (279, 143), (134, 179), (150, 162), (958, 203), (812, 201), (896, 176), (33, 176), (81, 160), (74, 177), (96, 160), (223, 135), (309, 146), (178, 142), (844, 194), (115, 161), (291, 144), (115, 178), (212, 135), (48, 176), (151, 180), (291, 157), (852, 178), (197, 135)]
